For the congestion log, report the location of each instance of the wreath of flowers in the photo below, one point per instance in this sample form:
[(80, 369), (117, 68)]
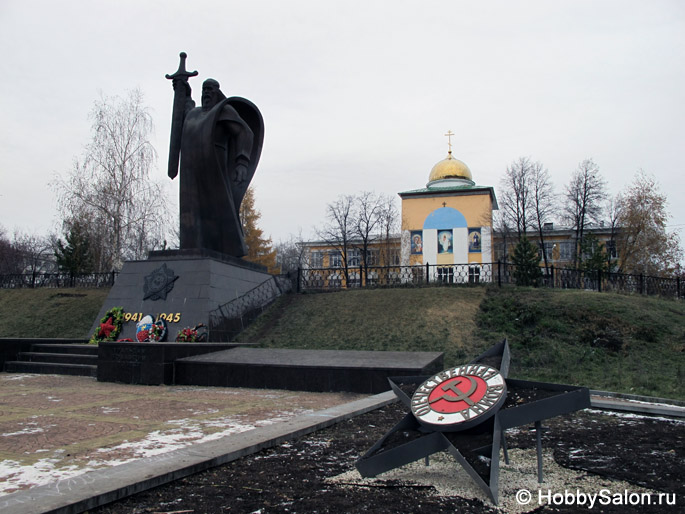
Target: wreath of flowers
[(191, 335), (110, 326), (158, 331)]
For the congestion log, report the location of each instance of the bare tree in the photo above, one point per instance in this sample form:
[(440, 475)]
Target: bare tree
[(290, 254), (36, 253), (507, 237), (362, 225), (585, 195), (10, 258), (615, 213), (110, 186), (389, 221), (543, 202), (367, 223), (340, 227), (515, 199)]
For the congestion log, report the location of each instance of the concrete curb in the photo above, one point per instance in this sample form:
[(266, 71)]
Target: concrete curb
[(638, 398), (90, 490), (619, 403)]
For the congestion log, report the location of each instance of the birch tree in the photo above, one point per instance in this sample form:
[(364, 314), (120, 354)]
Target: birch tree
[(584, 198), (110, 185)]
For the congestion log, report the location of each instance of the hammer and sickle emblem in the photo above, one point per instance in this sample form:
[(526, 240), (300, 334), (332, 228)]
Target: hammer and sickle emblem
[(459, 395)]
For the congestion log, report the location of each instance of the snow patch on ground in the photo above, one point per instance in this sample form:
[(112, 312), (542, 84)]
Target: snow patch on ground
[(15, 475)]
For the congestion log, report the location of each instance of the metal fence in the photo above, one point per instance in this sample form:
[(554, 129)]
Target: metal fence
[(35, 280), (331, 279), (498, 273), (229, 319)]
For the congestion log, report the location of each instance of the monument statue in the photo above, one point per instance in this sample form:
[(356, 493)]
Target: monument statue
[(219, 145)]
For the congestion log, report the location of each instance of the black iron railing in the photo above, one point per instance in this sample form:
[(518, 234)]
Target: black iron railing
[(327, 279), (229, 319), (35, 280), (498, 273)]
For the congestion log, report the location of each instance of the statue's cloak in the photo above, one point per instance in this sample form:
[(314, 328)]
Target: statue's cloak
[(213, 142)]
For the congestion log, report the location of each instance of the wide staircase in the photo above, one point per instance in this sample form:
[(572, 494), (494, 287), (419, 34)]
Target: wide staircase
[(57, 359)]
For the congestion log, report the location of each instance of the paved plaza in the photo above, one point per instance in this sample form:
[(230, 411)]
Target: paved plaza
[(54, 427)]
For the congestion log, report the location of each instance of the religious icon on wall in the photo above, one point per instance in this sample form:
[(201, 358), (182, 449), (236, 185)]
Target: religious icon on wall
[(474, 240), (445, 241), (417, 242)]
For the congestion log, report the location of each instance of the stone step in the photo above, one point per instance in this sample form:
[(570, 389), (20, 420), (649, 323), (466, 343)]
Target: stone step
[(51, 368), (82, 349), (63, 358)]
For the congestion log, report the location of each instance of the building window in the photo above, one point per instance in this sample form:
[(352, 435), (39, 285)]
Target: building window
[(566, 250), (611, 249), (335, 259), (354, 258), (316, 259), (372, 257), (394, 257)]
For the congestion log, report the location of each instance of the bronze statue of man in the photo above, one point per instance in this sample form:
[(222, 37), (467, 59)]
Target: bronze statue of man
[(220, 144)]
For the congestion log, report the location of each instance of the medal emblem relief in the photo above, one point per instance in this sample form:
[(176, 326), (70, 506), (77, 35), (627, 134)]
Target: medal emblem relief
[(459, 398), (159, 283)]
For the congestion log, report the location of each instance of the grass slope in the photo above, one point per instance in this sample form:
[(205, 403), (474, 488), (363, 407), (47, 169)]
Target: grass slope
[(614, 342), (632, 344), (426, 319), (622, 343), (49, 312)]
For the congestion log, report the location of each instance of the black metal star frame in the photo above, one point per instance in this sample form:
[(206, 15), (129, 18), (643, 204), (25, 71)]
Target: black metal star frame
[(466, 411)]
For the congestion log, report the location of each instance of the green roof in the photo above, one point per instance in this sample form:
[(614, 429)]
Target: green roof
[(437, 190)]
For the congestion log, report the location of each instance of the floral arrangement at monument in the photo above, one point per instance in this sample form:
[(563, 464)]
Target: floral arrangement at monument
[(110, 326), (191, 335), (158, 331)]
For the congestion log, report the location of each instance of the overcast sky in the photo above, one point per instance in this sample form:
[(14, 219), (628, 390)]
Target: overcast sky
[(355, 96)]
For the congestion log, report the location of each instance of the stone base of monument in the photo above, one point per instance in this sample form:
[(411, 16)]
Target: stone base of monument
[(147, 363), (181, 287), (304, 370)]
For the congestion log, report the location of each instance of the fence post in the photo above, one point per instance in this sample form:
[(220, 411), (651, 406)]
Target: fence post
[(361, 279), (299, 277), (427, 271), (499, 273), (599, 280), (677, 286), (642, 283), (551, 274)]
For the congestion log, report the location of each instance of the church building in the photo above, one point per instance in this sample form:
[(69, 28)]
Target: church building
[(450, 220)]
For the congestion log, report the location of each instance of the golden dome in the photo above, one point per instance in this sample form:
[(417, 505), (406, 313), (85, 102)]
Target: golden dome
[(450, 168)]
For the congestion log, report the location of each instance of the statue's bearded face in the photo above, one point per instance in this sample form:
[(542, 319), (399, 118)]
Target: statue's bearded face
[(210, 95)]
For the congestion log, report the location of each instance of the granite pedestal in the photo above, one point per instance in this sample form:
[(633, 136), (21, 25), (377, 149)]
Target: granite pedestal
[(304, 370), (183, 286), (147, 363)]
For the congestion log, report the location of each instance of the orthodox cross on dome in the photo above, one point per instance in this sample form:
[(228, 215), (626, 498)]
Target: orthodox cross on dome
[(449, 141)]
